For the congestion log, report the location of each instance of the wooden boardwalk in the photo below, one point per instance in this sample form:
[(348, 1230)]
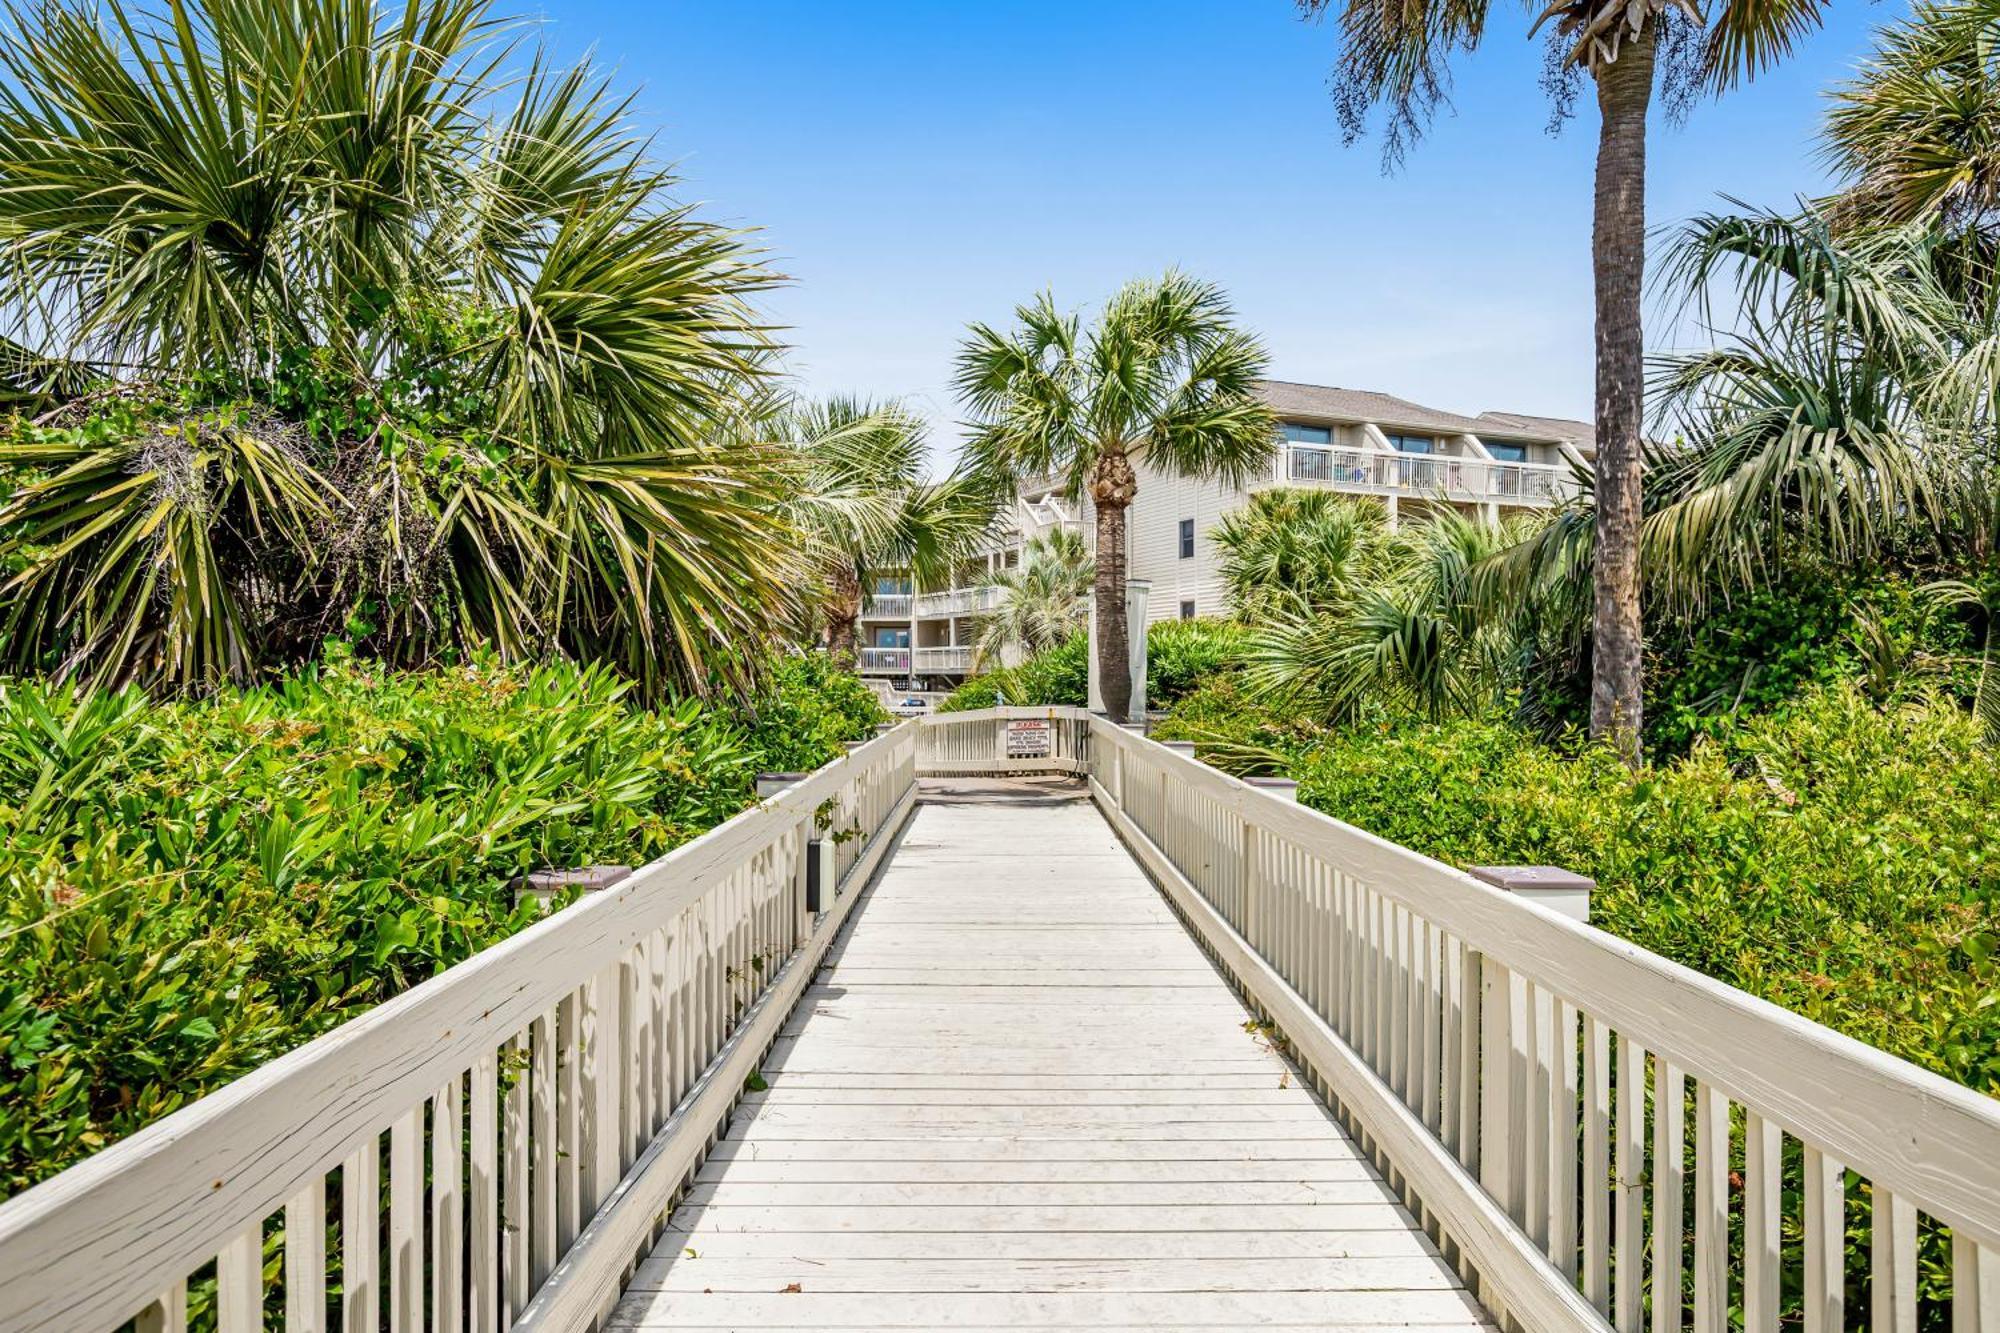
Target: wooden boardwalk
[(1020, 1096)]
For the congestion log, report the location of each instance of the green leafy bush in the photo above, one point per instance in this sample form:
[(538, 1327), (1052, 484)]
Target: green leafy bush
[(1181, 654), (188, 889), (1840, 859)]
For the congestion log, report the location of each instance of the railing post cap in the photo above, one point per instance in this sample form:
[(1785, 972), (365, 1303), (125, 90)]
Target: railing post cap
[(1285, 789), (1555, 888), (1180, 747), (770, 784)]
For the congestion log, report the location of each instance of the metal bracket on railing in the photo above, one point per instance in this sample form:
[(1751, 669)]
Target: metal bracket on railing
[(821, 875)]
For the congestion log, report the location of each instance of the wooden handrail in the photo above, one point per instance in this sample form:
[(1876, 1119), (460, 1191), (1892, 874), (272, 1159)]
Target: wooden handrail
[(531, 1077), (1531, 1049)]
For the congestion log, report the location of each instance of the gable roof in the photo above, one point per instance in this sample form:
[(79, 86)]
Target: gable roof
[(1289, 398)]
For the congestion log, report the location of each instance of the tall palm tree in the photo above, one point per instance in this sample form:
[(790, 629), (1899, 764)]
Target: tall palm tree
[(859, 498), (397, 333), (1397, 54), (1044, 599), (1163, 379)]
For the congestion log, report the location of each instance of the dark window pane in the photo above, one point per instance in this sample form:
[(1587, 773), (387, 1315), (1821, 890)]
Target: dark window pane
[(1187, 539), (1299, 434), (1187, 610)]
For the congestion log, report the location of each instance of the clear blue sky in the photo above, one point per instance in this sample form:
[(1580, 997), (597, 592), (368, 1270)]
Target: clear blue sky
[(918, 165)]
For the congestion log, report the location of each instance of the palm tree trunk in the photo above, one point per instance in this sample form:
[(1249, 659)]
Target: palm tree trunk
[(1112, 486), (843, 609), (1618, 256)]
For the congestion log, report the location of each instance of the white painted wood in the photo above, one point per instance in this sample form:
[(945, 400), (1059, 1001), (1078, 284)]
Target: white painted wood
[(1597, 1119), (1825, 1223), (1763, 1210), (447, 1209), (1313, 1309), (305, 1260), (1629, 1188), (1669, 1185), (168, 1314), (1520, 1274), (360, 1223), (406, 1243), (1975, 1287), (483, 1197), (970, 1146), (1813, 1083), (1711, 1210), (1892, 1276), (239, 1282)]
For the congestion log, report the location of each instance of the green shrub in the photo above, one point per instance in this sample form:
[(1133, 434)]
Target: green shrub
[(1181, 654), (1841, 860), (188, 889)]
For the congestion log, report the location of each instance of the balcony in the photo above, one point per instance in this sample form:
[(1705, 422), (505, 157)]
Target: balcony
[(1454, 477), (887, 606), (944, 659), (960, 602), (885, 661)]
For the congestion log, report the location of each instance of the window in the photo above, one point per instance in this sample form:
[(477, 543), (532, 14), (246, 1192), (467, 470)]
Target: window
[(1187, 610), (1508, 451), (889, 586), (1299, 434), (890, 638), (1187, 539), (1413, 444)]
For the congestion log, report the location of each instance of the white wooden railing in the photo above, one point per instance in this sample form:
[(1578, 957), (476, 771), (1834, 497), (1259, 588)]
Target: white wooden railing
[(1456, 476), (961, 601), (492, 1149), (885, 661), (888, 606), (980, 741), (1598, 1136), (944, 659)]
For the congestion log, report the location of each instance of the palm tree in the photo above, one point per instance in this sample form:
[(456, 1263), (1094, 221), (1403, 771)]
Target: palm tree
[(1164, 379), (1045, 599), (1413, 634), (1291, 550), (857, 495), (1917, 132), (384, 341), (1397, 54)]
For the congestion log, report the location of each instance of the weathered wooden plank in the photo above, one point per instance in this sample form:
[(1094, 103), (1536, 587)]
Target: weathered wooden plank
[(710, 1272), (1432, 1309)]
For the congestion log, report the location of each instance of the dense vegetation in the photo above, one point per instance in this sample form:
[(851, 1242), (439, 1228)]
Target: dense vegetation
[(1179, 654), (190, 888)]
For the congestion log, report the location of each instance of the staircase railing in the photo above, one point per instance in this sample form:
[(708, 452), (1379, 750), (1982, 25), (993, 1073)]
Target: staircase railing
[(492, 1149), (1601, 1137)]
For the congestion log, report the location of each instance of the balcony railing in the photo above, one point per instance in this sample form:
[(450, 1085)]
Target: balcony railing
[(944, 659), (887, 606), (960, 602), (1451, 475), (885, 661)]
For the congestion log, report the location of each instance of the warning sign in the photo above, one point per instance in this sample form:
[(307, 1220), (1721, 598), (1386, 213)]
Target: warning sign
[(1028, 738)]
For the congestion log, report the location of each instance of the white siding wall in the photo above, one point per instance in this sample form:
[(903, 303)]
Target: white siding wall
[(1153, 537)]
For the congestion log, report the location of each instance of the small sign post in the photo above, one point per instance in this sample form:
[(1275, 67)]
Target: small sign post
[(1028, 738)]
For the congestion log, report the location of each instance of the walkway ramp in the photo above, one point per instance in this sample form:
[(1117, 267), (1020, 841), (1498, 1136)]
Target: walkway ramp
[(852, 1061), (1020, 1096)]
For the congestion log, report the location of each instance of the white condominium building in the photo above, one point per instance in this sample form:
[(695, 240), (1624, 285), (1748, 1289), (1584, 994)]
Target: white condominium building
[(1408, 457)]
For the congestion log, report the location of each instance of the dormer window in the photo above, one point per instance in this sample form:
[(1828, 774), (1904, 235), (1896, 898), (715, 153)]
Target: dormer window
[(1317, 436), (1413, 444), (1507, 451)]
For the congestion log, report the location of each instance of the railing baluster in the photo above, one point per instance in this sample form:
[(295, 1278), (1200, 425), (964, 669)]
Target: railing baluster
[(1763, 1206), (406, 1249), (483, 1196), (239, 1282), (1711, 1209), (305, 1260), (1825, 1284), (1629, 1238), (447, 1209), (1597, 1119), (1975, 1287), (1561, 1057), (1892, 1276), (1669, 1176), (542, 1145), (360, 1223), (167, 1314), (515, 1212)]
